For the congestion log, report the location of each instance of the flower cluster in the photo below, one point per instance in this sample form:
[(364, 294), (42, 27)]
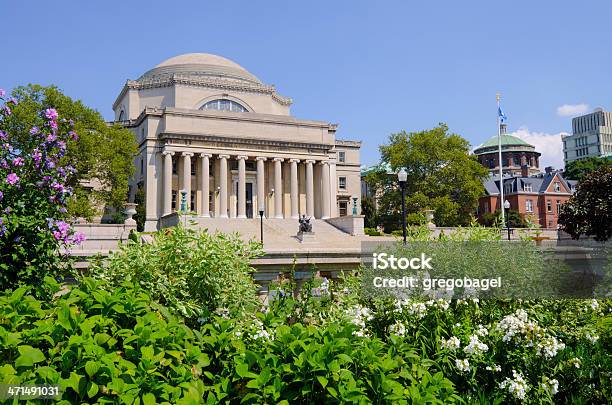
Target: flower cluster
[(549, 347), (358, 315), (550, 385), (475, 347), (517, 326), (517, 386), (463, 365), (419, 309), (398, 329), (451, 344)]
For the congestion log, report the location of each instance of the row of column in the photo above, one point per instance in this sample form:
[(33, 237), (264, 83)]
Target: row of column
[(326, 194)]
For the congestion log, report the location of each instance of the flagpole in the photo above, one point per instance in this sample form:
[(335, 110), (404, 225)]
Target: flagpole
[(500, 164)]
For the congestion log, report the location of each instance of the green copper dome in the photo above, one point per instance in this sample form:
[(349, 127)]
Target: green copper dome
[(508, 142)]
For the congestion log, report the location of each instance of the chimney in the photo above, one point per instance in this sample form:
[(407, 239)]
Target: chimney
[(548, 169), (524, 171)]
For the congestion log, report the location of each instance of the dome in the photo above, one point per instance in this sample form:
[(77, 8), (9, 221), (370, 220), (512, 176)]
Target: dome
[(507, 141), (200, 65)]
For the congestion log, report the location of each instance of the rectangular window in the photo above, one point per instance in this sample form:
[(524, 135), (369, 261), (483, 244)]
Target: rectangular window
[(343, 208), (142, 166), (517, 161), (341, 156), (342, 183), (486, 207), (558, 207), (527, 187), (529, 206), (174, 200), (548, 206), (557, 186)]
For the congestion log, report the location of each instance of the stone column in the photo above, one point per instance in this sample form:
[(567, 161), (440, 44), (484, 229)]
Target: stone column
[(261, 198), (242, 186), (167, 182), (205, 161), (294, 188), (326, 190), (278, 188), (309, 188), (333, 189), (186, 178), (223, 184)]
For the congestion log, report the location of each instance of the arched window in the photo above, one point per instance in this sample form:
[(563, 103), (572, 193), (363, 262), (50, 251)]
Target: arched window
[(121, 116), (224, 105)]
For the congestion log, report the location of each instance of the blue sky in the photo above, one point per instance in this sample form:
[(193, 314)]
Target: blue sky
[(373, 67)]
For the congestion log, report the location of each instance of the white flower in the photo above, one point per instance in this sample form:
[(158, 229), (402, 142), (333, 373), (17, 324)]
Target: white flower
[(475, 346), (418, 308), (549, 346), (575, 362), (398, 329), (451, 344), (515, 325), (475, 300), (482, 331), (517, 386), (463, 365), (594, 305), (495, 367), (550, 385), (442, 304), (358, 316), (591, 338)]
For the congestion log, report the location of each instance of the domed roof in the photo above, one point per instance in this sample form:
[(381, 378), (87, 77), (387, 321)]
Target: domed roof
[(507, 141), (200, 65)]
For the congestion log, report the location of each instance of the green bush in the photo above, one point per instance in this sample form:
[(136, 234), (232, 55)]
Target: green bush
[(194, 273), (372, 232)]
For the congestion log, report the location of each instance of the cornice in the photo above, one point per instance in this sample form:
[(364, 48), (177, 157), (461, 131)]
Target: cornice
[(244, 141), (348, 142)]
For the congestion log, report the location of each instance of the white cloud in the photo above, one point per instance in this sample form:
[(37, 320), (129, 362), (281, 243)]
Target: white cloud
[(549, 145), (572, 110)]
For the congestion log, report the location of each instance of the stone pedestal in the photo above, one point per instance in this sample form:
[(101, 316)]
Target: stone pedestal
[(305, 237)]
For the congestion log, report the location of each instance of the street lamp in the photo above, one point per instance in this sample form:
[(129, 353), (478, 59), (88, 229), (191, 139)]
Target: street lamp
[(402, 176), (507, 208), (261, 214)]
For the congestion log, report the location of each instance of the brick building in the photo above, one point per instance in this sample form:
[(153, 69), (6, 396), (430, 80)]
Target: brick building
[(537, 198)]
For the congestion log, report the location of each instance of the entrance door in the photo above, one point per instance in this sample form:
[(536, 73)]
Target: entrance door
[(249, 200)]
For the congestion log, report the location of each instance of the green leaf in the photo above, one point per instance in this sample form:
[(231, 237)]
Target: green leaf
[(92, 389), (322, 380), (149, 399), (91, 368), (29, 356)]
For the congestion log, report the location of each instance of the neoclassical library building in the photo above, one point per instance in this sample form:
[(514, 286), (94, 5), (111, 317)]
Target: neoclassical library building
[(207, 127)]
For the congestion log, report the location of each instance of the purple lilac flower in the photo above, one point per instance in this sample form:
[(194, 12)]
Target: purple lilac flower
[(63, 210), (78, 238), (51, 113), (73, 135), (34, 130), (53, 124), (7, 146), (12, 179), (1, 197), (2, 227), (7, 110), (18, 161), (37, 156), (12, 100), (3, 136), (51, 138)]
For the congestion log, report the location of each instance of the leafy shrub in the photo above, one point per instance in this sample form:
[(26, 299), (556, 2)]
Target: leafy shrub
[(34, 173), (372, 232), (190, 271), (100, 346)]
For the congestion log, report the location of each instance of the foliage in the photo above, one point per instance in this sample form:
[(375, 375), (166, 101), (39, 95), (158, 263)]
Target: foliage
[(34, 173), (368, 209), (371, 232), (141, 208), (190, 271), (589, 210), (100, 346), (513, 217), (579, 169), (442, 176), (104, 153)]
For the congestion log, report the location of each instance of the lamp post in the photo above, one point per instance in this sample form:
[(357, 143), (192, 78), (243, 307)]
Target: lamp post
[(507, 217), (261, 214), (402, 176)]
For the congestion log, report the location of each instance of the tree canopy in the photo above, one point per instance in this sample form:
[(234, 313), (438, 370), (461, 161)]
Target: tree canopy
[(103, 154), (589, 211), (578, 169), (442, 176)]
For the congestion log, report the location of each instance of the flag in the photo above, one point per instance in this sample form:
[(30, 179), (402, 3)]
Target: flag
[(501, 115)]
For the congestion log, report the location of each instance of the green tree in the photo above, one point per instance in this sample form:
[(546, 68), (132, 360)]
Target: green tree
[(103, 154), (578, 169), (589, 210), (442, 176), (368, 209)]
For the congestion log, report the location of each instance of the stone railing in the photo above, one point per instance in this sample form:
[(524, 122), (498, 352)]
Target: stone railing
[(351, 224)]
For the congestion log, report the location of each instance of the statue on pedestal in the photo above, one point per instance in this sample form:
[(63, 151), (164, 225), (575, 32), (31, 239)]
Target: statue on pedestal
[(305, 225)]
